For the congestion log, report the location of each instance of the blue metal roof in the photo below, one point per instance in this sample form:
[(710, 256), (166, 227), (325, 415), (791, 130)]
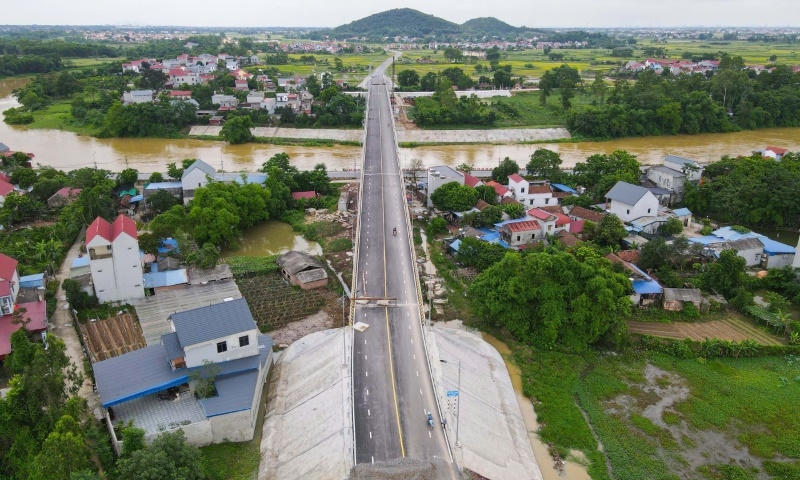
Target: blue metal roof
[(165, 279), (234, 394), (172, 346), (166, 245), (136, 198), (563, 188), (32, 281), (682, 212), (706, 240), (455, 245), (80, 262), (163, 185), (771, 247), (213, 321), (644, 286)]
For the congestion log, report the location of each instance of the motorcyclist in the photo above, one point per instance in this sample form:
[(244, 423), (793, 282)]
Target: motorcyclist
[(430, 420), (394, 231)]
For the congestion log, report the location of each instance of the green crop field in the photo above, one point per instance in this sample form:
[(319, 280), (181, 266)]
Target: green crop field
[(751, 52)]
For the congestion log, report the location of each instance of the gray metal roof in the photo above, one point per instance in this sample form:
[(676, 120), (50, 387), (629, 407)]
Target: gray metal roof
[(172, 346), (4, 147), (682, 294), (626, 193), (294, 262), (146, 371), (313, 275), (745, 244), (214, 321), (446, 171), (668, 171), (679, 160), (208, 169)]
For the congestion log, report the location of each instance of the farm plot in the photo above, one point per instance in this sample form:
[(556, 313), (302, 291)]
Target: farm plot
[(112, 336), (732, 329), (274, 303)]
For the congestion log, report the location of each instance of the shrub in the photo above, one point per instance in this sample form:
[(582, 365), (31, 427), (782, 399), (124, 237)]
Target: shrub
[(340, 245), (77, 298), (437, 226), (690, 310)]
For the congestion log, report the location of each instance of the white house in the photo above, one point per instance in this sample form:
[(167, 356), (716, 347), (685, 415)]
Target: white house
[(194, 177), (669, 179), (690, 168), (114, 259), (224, 100), (517, 234), (531, 194), (9, 284), (438, 176), (137, 96), (629, 202), (134, 386), (775, 153)]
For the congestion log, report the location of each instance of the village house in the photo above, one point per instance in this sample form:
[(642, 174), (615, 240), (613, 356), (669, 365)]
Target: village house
[(196, 176), (302, 270), (629, 202), (5, 189), (676, 298), (114, 259), (63, 197), (440, 175), (646, 291), (669, 179), (519, 234), (156, 387), (771, 254), (775, 153), (224, 100), (692, 169), (137, 96), (530, 194)]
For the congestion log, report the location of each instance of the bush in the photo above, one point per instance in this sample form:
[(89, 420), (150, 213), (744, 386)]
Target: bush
[(340, 245), (77, 298), (690, 310), (437, 226)]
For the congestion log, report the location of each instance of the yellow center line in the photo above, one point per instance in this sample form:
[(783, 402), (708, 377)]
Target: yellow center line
[(385, 287)]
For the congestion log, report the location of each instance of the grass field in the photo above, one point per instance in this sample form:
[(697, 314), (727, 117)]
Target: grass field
[(89, 62), (751, 52), (231, 461), (357, 64), (658, 417), (57, 117)]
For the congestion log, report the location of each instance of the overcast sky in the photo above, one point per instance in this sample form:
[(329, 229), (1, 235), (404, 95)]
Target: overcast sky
[(330, 13)]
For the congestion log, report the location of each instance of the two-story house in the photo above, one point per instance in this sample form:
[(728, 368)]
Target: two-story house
[(194, 177), (114, 259), (223, 100), (688, 167), (629, 202), (440, 175), (157, 387), (670, 179), (137, 96), (519, 234), (531, 194), (9, 284)]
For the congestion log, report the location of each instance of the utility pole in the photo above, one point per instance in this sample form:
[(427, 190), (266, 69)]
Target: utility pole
[(458, 400)]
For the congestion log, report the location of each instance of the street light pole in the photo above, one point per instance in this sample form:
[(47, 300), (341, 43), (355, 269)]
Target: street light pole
[(458, 400)]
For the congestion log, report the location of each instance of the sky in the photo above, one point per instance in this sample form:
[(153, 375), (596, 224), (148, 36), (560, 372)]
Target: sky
[(330, 13)]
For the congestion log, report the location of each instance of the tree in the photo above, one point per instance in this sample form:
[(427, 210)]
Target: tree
[(609, 231), (168, 457), (428, 82), (567, 91), (64, 452), (161, 201), (487, 194), (437, 226), (502, 79), (156, 177), (236, 130), (514, 210), (725, 275), (501, 172), (554, 298), (453, 54), (601, 171), (599, 88), (545, 164), (166, 224), (408, 78), (148, 243), (479, 254), (673, 226), (313, 86), (128, 177), (24, 177), (465, 168), (453, 196), (76, 297)]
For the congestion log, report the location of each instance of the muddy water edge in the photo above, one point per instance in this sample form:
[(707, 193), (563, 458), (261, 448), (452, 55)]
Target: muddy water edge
[(571, 470), (67, 151)]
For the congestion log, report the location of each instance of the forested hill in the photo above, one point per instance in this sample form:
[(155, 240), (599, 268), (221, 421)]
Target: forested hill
[(398, 22), (488, 26)]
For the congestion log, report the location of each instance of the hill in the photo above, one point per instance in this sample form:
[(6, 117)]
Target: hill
[(398, 22), (488, 26)]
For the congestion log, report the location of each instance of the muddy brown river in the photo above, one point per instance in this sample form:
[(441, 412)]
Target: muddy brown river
[(67, 150)]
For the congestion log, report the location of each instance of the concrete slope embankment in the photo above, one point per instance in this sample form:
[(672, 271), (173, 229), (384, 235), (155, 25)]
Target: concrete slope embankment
[(308, 426), (511, 135), (491, 431), (341, 135)]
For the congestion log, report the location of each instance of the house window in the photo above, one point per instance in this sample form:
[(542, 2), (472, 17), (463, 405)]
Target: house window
[(244, 340), (531, 201), (222, 347), (518, 238), (546, 201), (199, 185), (628, 212), (522, 190), (648, 210)]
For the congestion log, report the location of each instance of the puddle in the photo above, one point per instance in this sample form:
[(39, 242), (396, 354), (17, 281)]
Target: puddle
[(570, 470)]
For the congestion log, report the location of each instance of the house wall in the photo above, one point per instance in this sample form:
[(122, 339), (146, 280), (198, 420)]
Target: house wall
[(434, 182), (240, 426), (752, 256), (665, 180), (312, 285), (195, 354), (198, 434), (105, 286), (192, 181), (646, 206), (778, 261), (691, 176), (128, 275)]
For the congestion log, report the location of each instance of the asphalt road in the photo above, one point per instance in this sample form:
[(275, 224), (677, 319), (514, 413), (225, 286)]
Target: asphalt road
[(391, 381)]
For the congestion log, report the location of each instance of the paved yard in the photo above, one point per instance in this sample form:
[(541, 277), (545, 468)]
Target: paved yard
[(153, 311)]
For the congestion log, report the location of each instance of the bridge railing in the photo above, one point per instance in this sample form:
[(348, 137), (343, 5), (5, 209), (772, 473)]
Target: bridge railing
[(410, 239)]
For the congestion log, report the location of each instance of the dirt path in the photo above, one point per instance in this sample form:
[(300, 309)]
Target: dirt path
[(287, 334), (61, 326), (728, 329)]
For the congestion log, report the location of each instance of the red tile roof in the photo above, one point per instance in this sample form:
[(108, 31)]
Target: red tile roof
[(124, 224), (576, 226), (551, 209), (470, 180), (5, 177), (299, 195), (5, 188), (515, 178), (777, 150), (538, 189), (180, 93), (508, 201), (525, 226), (631, 256), (67, 192), (499, 189), (585, 214), (567, 238), (99, 227), (540, 214), (480, 204), (36, 312)]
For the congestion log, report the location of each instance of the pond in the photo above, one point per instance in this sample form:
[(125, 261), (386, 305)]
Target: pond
[(272, 238)]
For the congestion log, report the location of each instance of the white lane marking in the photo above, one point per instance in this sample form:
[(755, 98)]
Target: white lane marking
[(366, 373), (368, 392), (420, 391), (412, 340), (418, 373), (365, 342), (368, 414), (429, 434), (370, 434), (373, 459), (415, 357), (365, 357)]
